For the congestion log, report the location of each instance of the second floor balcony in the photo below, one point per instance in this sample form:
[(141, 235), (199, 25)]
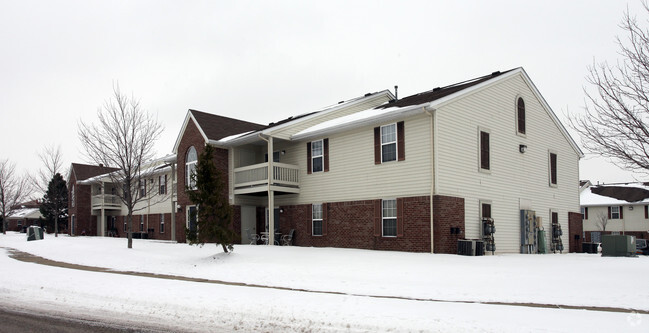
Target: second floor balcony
[(253, 179), (107, 201)]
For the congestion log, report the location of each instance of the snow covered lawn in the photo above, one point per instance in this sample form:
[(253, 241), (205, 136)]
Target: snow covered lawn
[(409, 288)]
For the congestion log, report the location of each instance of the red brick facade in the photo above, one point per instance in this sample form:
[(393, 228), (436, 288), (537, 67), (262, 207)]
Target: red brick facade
[(192, 138), (84, 222), (353, 224), (575, 230), (448, 212)]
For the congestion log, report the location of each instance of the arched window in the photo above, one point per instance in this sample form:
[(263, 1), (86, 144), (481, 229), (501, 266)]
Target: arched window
[(190, 167), (520, 116)]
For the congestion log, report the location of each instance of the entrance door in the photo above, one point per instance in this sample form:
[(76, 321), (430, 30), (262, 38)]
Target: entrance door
[(191, 218), (248, 222)]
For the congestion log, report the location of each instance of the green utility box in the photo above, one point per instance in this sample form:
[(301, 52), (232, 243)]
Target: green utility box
[(541, 239), (618, 246), (34, 233)]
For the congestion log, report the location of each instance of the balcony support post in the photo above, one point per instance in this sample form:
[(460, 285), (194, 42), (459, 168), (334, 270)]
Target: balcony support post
[(102, 223)]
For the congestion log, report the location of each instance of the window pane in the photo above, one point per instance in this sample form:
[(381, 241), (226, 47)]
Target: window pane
[(388, 134), (317, 228), (390, 227), (317, 164), (191, 155), (316, 148), (521, 116), (389, 209), (389, 152), (317, 212)]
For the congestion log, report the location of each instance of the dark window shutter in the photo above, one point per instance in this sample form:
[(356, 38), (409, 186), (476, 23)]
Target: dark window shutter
[(609, 212), (400, 220), (325, 208), (325, 143), (621, 212), (553, 168), (586, 212), (646, 212), (484, 150), (377, 218), (401, 141), (310, 224), (377, 145), (521, 116), (308, 158)]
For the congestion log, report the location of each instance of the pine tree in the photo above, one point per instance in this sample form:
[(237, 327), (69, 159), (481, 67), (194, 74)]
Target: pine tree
[(55, 201), (214, 213)]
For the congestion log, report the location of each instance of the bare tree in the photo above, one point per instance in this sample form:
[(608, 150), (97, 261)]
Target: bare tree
[(123, 138), (601, 221), (14, 189), (52, 163), (616, 119)]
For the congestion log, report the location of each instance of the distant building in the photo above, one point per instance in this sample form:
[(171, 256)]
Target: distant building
[(24, 215), (618, 208)]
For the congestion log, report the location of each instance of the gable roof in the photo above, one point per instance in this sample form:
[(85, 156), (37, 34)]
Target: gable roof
[(243, 138), (214, 127), (85, 171), (429, 100), (439, 92)]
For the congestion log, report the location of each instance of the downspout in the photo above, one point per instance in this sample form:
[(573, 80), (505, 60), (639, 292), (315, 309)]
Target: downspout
[(271, 195), (431, 112)]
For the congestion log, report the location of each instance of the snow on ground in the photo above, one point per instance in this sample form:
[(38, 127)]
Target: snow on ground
[(440, 283)]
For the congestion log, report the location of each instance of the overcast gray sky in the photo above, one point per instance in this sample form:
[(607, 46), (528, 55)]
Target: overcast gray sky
[(263, 61)]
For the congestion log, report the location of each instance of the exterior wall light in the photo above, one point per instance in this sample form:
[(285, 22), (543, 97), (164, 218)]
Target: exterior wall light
[(522, 148)]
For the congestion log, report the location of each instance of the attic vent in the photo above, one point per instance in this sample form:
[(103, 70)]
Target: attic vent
[(271, 124), (495, 73), (341, 102), (437, 89), (368, 94)]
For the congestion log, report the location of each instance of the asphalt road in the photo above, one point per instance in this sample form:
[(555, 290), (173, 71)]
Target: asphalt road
[(11, 321)]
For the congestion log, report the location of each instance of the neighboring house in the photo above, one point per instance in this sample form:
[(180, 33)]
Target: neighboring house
[(621, 208), (413, 174), (26, 214), (96, 209)]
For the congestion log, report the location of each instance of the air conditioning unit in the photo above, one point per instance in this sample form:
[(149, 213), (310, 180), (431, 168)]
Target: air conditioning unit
[(470, 247)]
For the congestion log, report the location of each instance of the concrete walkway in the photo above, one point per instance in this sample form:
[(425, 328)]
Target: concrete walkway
[(26, 257)]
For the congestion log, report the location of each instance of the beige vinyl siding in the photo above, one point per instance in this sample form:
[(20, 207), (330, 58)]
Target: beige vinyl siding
[(353, 174), (154, 203), (513, 176), (633, 220)]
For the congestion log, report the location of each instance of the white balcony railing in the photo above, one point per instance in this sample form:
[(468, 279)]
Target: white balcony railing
[(257, 175), (105, 200)]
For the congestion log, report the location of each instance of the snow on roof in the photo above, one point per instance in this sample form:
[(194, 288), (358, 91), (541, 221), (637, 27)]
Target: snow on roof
[(615, 194), (359, 119), (26, 213), (232, 137)]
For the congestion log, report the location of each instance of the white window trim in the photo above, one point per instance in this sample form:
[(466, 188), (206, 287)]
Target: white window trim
[(313, 220), (395, 142), (618, 212), (523, 135), (480, 169), (162, 223), (383, 218), (313, 157), (162, 179), (141, 223)]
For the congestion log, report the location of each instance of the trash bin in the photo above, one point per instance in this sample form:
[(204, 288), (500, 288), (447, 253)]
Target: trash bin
[(34, 233)]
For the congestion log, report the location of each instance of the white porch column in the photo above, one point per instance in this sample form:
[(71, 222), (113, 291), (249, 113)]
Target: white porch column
[(271, 195), (173, 203)]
